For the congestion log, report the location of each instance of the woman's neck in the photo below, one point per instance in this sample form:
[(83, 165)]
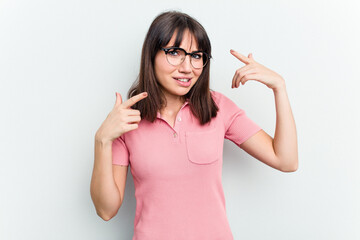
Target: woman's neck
[(173, 105)]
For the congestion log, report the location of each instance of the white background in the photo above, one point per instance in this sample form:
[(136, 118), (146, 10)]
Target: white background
[(62, 61)]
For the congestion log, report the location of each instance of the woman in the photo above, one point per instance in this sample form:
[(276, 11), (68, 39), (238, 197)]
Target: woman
[(171, 130)]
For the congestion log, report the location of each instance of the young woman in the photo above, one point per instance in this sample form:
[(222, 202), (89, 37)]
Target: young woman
[(171, 131)]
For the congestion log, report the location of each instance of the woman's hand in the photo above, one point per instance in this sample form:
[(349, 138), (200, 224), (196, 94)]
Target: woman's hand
[(121, 119), (255, 71)]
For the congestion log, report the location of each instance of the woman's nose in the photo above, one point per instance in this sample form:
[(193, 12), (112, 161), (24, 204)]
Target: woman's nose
[(185, 66)]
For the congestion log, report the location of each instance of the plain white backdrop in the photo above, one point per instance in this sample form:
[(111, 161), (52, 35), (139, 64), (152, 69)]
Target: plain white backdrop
[(62, 61)]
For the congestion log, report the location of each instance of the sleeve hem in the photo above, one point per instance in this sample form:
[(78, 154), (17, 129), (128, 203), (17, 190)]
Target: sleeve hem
[(120, 164), (249, 136)]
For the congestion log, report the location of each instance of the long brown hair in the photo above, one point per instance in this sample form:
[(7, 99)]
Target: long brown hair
[(160, 32)]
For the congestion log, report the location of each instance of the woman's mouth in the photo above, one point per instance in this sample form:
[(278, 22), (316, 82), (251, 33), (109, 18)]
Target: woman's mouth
[(185, 82)]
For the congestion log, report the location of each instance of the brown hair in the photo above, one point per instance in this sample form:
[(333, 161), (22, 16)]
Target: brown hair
[(160, 32)]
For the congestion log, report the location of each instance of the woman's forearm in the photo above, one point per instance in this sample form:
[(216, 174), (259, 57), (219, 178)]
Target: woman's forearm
[(104, 193), (285, 137)]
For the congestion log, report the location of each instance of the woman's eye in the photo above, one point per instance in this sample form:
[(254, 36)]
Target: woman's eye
[(196, 56), (174, 53)]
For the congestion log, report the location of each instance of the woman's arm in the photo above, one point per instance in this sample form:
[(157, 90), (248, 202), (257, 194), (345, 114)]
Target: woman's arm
[(281, 151), (108, 182), (104, 192)]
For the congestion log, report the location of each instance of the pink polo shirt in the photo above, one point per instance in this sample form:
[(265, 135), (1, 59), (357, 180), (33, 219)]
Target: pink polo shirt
[(177, 172)]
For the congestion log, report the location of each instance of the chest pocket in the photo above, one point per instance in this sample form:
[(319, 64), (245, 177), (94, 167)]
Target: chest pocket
[(203, 147)]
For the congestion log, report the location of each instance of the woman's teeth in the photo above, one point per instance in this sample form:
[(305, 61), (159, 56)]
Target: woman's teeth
[(183, 80)]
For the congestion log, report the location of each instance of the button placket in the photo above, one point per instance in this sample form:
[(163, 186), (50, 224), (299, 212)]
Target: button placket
[(175, 134), (177, 126), (176, 129)]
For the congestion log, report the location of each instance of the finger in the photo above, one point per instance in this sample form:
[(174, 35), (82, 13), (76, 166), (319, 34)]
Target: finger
[(236, 79), (133, 112), (240, 73), (251, 57), (128, 103), (236, 75), (130, 127), (233, 81), (244, 74), (118, 99), (240, 56), (132, 119), (244, 69), (130, 112), (247, 77)]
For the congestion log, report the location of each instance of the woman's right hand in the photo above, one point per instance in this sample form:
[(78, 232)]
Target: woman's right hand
[(121, 119)]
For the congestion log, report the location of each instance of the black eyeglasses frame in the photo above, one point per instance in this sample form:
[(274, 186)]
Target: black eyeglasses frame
[(208, 57)]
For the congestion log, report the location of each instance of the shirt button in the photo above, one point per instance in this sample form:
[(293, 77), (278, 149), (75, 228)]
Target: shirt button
[(175, 135), (179, 119)]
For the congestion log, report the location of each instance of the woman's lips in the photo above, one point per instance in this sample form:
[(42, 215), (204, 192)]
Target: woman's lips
[(182, 82)]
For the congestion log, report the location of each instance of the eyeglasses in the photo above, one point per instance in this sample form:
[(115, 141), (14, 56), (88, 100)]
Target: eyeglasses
[(176, 56)]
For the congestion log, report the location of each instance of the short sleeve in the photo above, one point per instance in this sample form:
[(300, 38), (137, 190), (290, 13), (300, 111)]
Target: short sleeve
[(120, 153), (238, 126)]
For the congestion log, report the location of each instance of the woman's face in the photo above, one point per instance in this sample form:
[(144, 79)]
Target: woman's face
[(167, 75)]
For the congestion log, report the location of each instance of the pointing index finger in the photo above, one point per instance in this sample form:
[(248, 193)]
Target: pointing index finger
[(240, 56), (131, 101)]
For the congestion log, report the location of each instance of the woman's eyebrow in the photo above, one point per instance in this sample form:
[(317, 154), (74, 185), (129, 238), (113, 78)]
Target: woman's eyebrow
[(170, 47), (197, 50)]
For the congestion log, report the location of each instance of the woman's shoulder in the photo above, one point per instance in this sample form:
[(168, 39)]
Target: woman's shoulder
[(219, 97), (216, 95), (224, 103)]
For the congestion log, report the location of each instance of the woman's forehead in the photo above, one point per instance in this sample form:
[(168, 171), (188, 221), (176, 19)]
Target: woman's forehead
[(184, 40)]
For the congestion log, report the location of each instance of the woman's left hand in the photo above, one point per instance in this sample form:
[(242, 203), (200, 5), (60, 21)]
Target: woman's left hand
[(255, 71)]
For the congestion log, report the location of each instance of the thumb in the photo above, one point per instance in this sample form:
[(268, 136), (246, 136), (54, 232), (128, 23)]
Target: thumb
[(118, 99), (251, 56)]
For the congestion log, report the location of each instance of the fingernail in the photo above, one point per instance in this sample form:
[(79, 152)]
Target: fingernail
[(145, 94)]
